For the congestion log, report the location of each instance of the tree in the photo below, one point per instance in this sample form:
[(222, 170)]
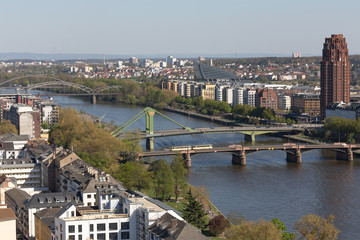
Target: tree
[(218, 224), (7, 127), (314, 227), (134, 175), (281, 226), (179, 171), (194, 212), (163, 179), (249, 230)]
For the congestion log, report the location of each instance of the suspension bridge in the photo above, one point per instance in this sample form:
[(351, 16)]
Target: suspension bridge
[(149, 134)]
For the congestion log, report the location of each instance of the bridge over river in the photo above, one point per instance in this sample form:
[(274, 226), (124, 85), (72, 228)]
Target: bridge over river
[(293, 151)]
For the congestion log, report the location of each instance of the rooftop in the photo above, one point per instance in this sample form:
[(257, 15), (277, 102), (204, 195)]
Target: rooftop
[(204, 72)]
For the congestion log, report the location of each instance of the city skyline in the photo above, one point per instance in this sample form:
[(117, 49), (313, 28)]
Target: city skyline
[(210, 28)]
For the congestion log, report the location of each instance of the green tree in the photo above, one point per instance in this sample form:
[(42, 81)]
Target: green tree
[(281, 226), (134, 175), (7, 127), (163, 179), (314, 227), (45, 125), (249, 230), (179, 171), (194, 212)]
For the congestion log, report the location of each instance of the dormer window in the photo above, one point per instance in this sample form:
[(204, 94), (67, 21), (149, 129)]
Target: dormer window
[(41, 200)]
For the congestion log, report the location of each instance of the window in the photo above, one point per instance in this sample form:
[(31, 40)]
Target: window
[(91, 227), (80, 237), (101, 236), (125, 225), (101, 227), (89, 196), (112, 226), (71, 237), (113, 236), (61, 227), (91, 236), (125, 235), (80, 228), (71, 228)]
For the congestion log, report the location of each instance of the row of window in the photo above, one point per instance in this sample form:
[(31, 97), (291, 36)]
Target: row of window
[(112, 226), (102, 236)]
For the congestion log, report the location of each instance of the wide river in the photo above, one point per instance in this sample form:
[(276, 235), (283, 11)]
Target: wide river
[(267, 187)]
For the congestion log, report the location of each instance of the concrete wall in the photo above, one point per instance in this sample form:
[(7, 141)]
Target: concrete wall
[(8, 229)]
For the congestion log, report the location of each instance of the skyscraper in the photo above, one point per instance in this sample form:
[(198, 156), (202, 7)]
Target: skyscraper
[(335, 73)]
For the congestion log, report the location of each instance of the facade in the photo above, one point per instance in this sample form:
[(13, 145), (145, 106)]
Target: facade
[(49, 113), (335, 72), (306, 103), (266, 98), (229, 95), (7, 224), (44, 224), (238, 96), (284, 102), (207, 91), (25, 119), (6, 183), (250, 97), (82, 225)]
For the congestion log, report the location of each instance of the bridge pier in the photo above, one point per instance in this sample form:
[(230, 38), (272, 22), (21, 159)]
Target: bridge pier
[(239, 158), (347, 155), (248, 137), (294, 156), (187, 158), (150, 143), (93, 99)]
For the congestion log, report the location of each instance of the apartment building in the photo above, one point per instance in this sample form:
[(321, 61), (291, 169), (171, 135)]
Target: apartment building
[(238, 96), (306, 103), (266, 98), (207, 91)]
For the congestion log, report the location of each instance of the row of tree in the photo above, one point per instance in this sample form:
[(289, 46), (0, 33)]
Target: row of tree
[(310, 227), (341, 129)]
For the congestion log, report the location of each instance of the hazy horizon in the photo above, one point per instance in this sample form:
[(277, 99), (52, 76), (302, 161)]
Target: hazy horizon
[(204, 27)]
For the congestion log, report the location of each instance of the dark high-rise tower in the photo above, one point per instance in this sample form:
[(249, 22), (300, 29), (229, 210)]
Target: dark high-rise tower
[(335, 73)]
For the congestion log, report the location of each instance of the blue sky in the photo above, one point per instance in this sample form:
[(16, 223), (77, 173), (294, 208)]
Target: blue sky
[(135, 27)]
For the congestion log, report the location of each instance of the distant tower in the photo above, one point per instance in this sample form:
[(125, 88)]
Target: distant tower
[(104, 59), (335, 73)]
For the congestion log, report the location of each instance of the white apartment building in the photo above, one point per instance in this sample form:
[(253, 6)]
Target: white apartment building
[(238, 96), (229, 95), (49, 113), (170, 60), (219, 93), (284, 102), (250, 97), (143, 211)]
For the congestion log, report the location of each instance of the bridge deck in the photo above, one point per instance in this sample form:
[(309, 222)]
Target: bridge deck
[(235, 148)]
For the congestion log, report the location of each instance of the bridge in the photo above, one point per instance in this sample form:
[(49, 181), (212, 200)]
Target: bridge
[(60, 87), (149, 134), (239, 152)]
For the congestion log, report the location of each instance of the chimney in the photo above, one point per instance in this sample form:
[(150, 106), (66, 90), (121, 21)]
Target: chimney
[(174, 222)]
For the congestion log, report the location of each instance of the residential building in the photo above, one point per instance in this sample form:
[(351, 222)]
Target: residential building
[(170, 61), (133, 60), (284, 102), (229, 95), (250, 97), (6, 183), (45, 224), (238, 96), (306, 103), (25, 119), (335, 72), (11, 145), (266, 98), (169, 227), (207, 91), (7, 224), (49, 113), (15, 199), (74, 224)]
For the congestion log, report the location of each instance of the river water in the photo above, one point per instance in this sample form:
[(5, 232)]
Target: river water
[(267, 187)]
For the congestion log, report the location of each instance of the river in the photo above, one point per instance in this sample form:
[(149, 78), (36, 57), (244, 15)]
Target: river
[(267, 187)]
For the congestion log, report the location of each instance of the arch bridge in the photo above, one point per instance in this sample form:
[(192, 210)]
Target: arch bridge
[(60, 87)]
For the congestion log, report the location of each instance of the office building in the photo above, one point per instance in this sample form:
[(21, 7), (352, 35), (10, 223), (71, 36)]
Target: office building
[(335, 72)]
